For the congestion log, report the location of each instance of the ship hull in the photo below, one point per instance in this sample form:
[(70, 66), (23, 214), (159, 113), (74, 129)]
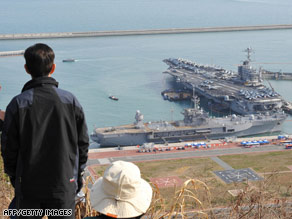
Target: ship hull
[(120, 139)]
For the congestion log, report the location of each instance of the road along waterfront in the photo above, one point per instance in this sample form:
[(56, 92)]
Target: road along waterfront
[(136, 157), (21, 36), (103, 156)]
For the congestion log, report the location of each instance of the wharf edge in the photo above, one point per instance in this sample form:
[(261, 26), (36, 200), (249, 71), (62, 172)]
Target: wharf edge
[(101, 156), (20, 36)]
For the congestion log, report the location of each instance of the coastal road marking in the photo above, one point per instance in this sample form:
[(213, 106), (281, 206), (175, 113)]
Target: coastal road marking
[(226, 166), (104, 161)]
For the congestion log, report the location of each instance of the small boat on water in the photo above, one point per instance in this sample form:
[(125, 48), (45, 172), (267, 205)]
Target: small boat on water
[(113, 98), (69, 60)]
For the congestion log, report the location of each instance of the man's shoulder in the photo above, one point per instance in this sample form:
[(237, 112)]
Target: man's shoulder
[(64, 93), (24, 95), (22, 100), (67, 97)]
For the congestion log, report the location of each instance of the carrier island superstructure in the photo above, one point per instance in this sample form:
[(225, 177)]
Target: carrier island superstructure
[(243, 91)]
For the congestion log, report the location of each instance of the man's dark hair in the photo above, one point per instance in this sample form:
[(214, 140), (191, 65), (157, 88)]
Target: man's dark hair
[(39, 59)]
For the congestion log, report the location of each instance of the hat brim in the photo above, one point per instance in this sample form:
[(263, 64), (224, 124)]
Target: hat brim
[(103, 203)]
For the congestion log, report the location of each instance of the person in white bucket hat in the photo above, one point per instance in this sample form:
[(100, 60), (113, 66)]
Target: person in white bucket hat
[(121, 192)]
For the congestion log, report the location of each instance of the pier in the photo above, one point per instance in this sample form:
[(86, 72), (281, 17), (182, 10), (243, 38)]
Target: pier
[(12, 53), (21, 36), (276, 75)]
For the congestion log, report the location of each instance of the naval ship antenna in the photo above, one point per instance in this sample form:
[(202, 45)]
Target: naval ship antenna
[(249, 50)]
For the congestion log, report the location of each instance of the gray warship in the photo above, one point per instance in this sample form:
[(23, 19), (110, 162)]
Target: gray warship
[(243, 91), (260, 108), (196, 125)]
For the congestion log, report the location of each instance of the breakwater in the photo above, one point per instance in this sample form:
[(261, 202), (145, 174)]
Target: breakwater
[(21, 36), (11, 53)]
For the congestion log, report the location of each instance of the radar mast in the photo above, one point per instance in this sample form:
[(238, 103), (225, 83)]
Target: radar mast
[(249, 50)]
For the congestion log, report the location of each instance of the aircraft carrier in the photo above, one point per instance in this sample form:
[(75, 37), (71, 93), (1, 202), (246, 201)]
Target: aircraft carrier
[(243, 91)]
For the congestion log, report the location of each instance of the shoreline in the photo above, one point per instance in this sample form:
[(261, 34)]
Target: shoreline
[(104, 156), (178, 144)]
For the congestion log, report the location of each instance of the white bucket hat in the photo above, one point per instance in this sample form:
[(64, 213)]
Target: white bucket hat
[(121, 192)]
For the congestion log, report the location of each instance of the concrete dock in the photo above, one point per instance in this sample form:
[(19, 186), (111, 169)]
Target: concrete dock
[(276, 75), (102, 156), (21, 36), (11, 53)]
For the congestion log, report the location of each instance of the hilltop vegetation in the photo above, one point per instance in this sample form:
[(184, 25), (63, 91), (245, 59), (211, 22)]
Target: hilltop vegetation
[(203, 194)]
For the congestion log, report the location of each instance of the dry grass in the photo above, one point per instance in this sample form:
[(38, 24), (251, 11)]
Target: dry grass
[(277, 184), (261, 202), (83, 207), (203, 195), (6, 189), (261, 162), (184, 202), (184, 168), (251, 202)]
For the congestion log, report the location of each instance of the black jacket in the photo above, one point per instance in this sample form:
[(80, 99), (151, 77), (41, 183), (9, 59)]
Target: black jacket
[(44, 140)]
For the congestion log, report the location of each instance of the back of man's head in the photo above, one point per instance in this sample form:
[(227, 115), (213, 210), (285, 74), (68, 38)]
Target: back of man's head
[(39, 60)]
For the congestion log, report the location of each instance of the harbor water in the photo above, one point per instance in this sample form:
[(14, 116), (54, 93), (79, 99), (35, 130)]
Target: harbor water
[(130, 67)]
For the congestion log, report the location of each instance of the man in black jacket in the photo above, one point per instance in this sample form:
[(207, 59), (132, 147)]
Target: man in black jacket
[(44, 139)]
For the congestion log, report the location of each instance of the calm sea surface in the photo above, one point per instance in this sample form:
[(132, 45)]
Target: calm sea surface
[(130, 67)]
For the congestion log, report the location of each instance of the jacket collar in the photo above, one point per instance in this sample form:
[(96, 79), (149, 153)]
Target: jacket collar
[(40, 81)]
